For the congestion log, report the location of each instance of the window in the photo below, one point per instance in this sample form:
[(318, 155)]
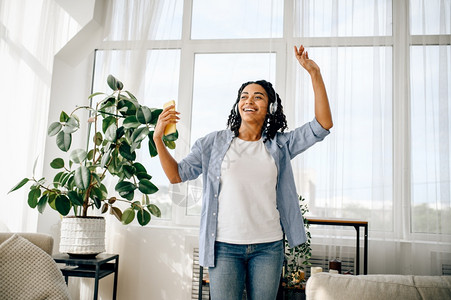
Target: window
[(217, 78), (430, 111), (387, 159), (236, 19)]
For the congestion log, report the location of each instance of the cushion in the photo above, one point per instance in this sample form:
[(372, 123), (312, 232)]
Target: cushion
[(335, 286), (28, 272), (42, 240)]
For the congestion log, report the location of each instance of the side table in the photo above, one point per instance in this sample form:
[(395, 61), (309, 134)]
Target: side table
[(356, 224), (97, 268)]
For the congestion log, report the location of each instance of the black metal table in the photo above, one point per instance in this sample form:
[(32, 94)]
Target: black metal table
[(96, 268), (356, 224)]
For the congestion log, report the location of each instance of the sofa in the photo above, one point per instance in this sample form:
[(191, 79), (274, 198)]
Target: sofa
[(327, 286), (27, 269)]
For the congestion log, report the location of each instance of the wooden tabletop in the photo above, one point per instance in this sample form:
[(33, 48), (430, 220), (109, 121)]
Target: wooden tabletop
[(337, 221)]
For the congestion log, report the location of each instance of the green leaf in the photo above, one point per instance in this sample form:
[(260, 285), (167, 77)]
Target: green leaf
[(147, 187), (75, 198), (42, 203), (90, 154), (107, 122), (152, 147), (171, 137), (131, 96), (112, 81), (124, 186), (131, 122), (78, 156), (95, 94), (63, 141), (116, 212), (97, 202), (154, 210), (110, 133), (127, 216), (54, 128), (19, 185), (107, 103), (125, 151), (140, 134), (51, 200), (155, 114), (62, 204), (170, 144), (126, 108), (63, 117), (129, 171), (97, 139), (57, 179), (139, 167), (33, 196), (128, 195), (57, 163), (65, 178), (119, 85), (71, 125), (120, 132), (82, 177), (144, 115), (98, 194), (143, 175), (143, 217)]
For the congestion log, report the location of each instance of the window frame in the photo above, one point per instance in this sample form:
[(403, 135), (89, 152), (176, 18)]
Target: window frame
[(400, 41)]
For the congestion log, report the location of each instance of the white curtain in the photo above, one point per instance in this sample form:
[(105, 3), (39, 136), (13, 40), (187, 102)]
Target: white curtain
[(350, 174), (31, 33)]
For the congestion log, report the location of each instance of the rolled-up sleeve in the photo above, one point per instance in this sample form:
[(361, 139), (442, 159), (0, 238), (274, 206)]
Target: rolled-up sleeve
[(191, 166), (305, 136)]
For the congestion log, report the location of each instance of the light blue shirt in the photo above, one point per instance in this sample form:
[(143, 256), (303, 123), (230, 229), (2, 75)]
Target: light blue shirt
[(206, 158)]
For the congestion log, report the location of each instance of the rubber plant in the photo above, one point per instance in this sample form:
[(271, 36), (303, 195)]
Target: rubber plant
[(119, 125), (297, 258)]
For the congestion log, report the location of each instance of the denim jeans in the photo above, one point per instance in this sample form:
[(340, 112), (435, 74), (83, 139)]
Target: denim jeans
[(256, 266)]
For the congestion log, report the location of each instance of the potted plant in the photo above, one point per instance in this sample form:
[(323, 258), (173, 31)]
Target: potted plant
[(297, 258), (118, 125)]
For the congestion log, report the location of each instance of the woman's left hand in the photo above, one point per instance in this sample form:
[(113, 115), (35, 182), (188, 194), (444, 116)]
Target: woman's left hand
[(308, 64)]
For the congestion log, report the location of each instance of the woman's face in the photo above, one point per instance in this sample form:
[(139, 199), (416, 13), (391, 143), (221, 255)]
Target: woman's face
[(253, 104)]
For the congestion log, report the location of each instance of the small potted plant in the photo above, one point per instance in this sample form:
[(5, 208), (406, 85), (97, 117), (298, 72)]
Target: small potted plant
[(118, 125)]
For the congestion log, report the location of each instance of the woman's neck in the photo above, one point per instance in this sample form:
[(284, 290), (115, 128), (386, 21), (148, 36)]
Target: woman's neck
[(248, 132)]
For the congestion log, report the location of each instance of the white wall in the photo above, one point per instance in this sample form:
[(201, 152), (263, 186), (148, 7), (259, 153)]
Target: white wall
[(155, 262)]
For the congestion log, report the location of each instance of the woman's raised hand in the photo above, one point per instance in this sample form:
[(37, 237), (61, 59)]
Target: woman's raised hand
[(308, 64), (167, 116)]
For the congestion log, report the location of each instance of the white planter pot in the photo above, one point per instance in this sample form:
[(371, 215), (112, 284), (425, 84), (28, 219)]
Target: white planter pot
[(83, 236)]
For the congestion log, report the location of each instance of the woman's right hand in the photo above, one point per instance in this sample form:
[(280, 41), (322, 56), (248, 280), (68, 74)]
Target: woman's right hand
[(167, 116)]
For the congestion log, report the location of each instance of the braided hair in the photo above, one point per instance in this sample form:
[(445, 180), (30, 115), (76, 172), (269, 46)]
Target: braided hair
[(273, 122)]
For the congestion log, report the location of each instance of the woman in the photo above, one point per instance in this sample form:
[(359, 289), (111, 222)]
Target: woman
[(249, 194)]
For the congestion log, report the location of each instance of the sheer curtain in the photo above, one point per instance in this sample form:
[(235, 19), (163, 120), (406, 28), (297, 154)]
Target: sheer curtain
[(29, 40), (351, 173), (142, 49)]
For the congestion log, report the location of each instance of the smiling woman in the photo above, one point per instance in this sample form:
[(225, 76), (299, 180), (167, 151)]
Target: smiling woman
[(249, 194)]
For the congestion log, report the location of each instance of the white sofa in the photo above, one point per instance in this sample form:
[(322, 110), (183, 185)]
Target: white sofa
[(326, 286)]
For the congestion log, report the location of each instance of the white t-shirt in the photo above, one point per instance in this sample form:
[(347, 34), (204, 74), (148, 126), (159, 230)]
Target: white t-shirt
[(247, 212)]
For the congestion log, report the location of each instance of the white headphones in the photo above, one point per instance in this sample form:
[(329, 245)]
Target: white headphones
[(273, 107)]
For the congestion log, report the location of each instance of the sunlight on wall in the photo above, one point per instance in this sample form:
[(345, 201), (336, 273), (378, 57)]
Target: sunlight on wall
[(31, 33)]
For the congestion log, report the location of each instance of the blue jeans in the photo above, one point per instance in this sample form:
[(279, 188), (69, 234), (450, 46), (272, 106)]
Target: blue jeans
[(256, 266)]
